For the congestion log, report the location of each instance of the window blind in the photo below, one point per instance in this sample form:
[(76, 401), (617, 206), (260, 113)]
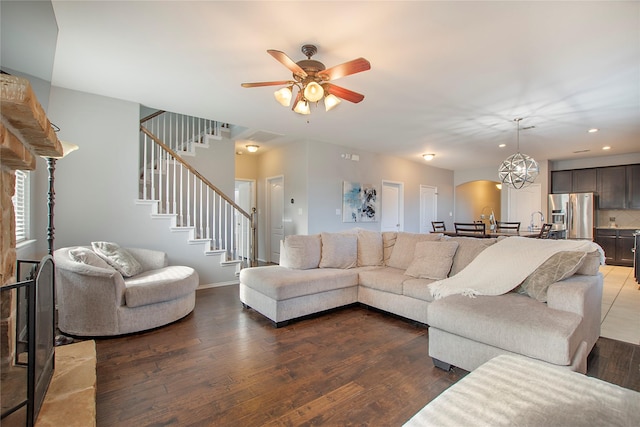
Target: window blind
[(21, 205)]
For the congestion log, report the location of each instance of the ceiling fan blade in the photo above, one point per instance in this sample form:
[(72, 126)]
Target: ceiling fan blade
[(260, 84), (346, 69), (287, 62), (346, 94)]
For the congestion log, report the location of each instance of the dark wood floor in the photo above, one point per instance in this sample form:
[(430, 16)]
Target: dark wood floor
[(226, 366)]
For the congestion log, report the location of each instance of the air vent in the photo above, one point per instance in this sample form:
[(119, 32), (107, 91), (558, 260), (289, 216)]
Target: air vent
[(262, 136), (581, 151)]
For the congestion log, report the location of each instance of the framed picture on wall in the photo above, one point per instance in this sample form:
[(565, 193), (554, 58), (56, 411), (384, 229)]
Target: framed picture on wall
[(359, 202)]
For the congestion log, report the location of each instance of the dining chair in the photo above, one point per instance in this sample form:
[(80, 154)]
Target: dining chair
[(473, 228), (502, 226), (438, 226), (545, 231)]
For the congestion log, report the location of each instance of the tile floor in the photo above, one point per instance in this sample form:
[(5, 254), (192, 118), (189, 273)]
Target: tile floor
[(620, 305)]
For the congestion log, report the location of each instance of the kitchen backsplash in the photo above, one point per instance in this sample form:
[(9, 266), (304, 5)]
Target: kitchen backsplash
[(623, 218)]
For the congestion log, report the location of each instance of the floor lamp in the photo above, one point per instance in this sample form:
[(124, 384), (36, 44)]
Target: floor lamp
[(51, 196)]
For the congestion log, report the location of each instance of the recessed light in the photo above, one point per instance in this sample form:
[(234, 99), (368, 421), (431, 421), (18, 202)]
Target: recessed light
[(593, 130), (428, 157), (502, 145), (606, 147)]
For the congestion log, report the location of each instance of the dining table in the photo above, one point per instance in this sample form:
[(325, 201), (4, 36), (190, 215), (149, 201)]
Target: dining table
[(487, 235)]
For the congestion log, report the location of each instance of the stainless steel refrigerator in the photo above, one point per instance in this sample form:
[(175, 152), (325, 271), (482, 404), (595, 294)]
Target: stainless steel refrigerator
[(573, 214)]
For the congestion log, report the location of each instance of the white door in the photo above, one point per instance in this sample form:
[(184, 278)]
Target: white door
[(428, 207), (275, 208), (522, 203), (245, 198), (392, 206)]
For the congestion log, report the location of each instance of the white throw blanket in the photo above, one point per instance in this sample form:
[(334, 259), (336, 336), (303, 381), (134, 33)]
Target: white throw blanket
[(503, 266)]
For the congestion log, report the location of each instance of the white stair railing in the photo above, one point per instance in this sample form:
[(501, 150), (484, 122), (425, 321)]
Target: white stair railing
[(182, 191), (181, 133)]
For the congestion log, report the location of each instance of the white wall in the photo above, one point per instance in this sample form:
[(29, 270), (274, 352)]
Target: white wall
[(313, 176)]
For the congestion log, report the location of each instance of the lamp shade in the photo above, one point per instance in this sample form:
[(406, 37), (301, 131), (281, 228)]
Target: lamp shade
[(518, 170), (302, 107), (313, 92), (330, 101), (283, 96)]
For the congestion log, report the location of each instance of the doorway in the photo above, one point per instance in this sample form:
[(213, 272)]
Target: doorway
[(428, 207), (523, 203), (392, 206), (275, 217), (245, 197)]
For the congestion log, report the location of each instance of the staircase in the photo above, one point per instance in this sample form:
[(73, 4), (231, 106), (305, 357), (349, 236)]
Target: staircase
[(177, 191)]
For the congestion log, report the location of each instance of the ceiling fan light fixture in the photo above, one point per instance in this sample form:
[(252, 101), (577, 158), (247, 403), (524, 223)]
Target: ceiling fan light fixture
[(283, 96), (313, 92), (302, 107), (330, 102)]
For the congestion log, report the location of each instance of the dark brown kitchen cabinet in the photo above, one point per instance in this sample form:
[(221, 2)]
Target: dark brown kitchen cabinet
[(584, 181), (617, 245), (573, 181), (611, 187), (633, 186), (607, 240), (561, 182)]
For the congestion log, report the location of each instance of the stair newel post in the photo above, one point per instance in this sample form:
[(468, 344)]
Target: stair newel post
[(254, 236), (201, 212), (175, 206), (153, 174), (208, 225), (144, 167)]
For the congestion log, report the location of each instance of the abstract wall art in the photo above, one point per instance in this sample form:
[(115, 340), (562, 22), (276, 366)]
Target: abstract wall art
[(359, 202)]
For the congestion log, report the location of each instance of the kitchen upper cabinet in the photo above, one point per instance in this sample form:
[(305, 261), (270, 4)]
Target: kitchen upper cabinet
[(573, 181), (618, 187), (584, 181), (612, 187), (633, 186), (561, 181)]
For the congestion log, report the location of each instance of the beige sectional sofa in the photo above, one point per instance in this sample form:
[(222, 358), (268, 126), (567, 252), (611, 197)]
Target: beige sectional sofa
[(394, 272)]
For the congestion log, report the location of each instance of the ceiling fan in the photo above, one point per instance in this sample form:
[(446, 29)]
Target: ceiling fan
[(312, 78)]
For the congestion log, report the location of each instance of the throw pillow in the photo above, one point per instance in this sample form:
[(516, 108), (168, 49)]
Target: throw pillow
[(118, 258), (558, 267), (370, 249), (468, 250), (432, 260), (87, 256), (590, 265), (388, 242), (402, 253), (302, 252), (339, 250)]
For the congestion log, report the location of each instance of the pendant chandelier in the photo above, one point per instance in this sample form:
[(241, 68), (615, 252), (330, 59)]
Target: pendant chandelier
[(518, 170)]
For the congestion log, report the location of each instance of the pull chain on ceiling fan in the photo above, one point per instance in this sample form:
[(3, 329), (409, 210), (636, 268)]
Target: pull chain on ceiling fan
[(311, 78)]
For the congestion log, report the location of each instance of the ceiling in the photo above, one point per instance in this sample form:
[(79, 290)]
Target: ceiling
[(446, 77)]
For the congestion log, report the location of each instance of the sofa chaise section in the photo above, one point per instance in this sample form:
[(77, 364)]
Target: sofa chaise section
[(281, 293)]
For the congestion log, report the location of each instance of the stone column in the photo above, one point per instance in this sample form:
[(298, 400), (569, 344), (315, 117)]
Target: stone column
[(7, 267)]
